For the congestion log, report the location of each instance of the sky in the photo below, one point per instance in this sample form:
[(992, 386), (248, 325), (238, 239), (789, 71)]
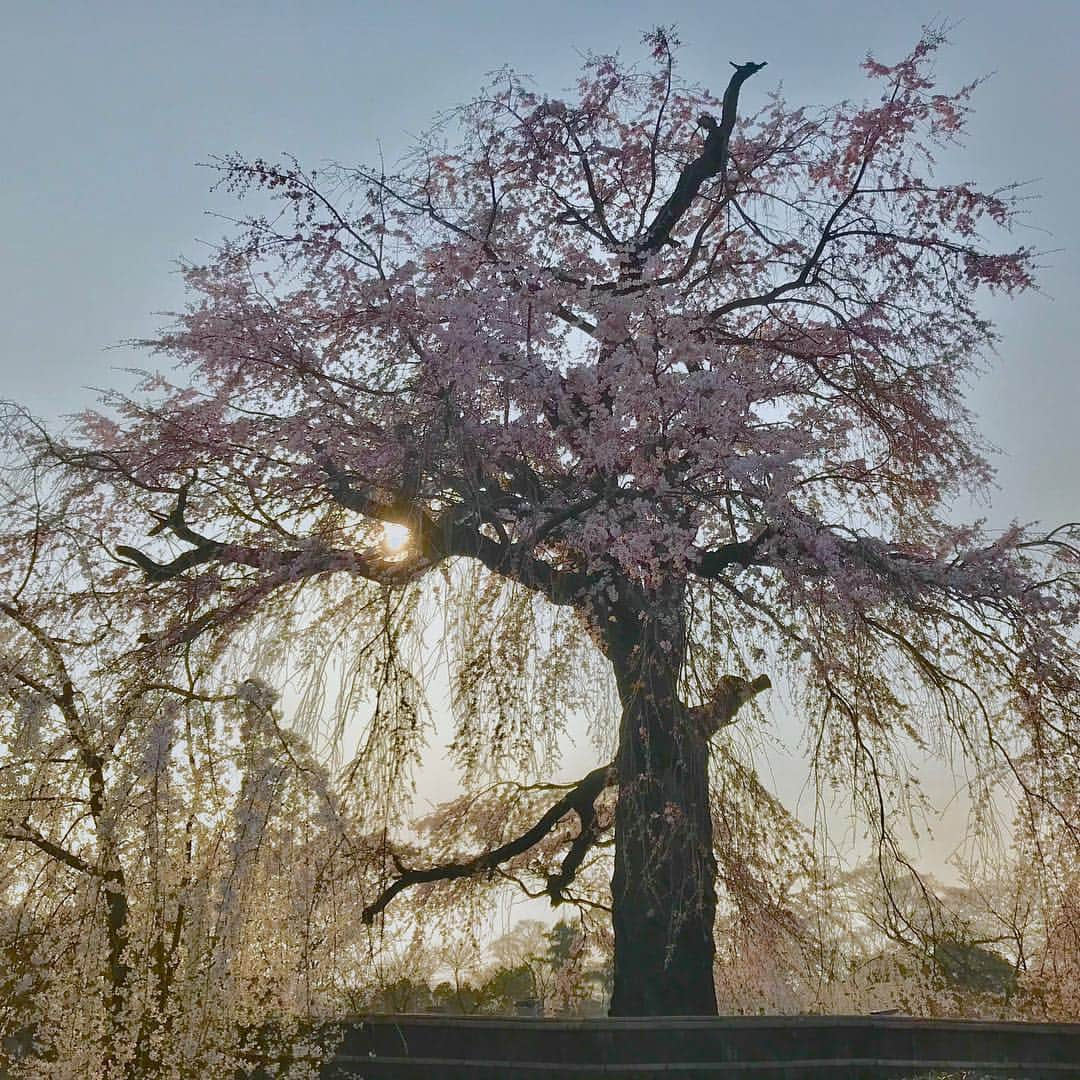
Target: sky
[(109, 106)]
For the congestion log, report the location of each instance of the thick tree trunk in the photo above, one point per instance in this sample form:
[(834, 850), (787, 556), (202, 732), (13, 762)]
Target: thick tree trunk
[(664, 887)]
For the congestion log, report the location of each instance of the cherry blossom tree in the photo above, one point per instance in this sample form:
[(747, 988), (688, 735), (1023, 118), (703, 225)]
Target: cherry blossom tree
[(639, 391)]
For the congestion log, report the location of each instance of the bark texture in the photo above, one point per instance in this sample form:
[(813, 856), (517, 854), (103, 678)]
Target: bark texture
[(664, 885)]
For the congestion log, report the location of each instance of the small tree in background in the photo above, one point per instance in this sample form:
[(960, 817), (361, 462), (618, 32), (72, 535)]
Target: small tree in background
[(636, 397)]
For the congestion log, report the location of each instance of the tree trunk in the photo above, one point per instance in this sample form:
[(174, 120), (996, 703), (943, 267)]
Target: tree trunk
[(664, 886), (118, 971)]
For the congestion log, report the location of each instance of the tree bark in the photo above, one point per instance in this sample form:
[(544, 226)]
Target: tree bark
[(664, 885)]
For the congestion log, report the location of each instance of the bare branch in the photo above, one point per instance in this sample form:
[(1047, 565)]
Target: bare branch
[(729, 697), (711, 162)]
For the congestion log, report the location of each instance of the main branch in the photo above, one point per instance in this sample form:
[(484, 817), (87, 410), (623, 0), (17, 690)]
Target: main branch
[(711, 162), (447, 537)]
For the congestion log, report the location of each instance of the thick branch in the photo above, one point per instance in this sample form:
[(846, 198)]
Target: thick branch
[(737, 553), (711, 162), (447, 537), (580, 798), (30, 835), (155, 571), (302, 563), (575, 855), (730, 696)]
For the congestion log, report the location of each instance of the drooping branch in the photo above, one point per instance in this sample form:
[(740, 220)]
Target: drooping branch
[(435, 539), (711, 162)]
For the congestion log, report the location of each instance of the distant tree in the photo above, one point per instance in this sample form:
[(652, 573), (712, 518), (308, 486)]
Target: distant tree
[(526, 942), (559, 963), (688, 390), (974, 967), (403, 995), (525, 948), (564, 942), (506, 986)]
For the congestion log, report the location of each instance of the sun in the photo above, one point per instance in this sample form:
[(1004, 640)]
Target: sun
[(395, 538)]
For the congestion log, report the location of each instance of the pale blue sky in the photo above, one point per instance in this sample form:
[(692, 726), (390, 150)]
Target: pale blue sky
[(107, 106)]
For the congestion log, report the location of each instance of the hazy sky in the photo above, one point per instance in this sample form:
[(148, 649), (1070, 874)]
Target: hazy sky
[(107, 106)]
